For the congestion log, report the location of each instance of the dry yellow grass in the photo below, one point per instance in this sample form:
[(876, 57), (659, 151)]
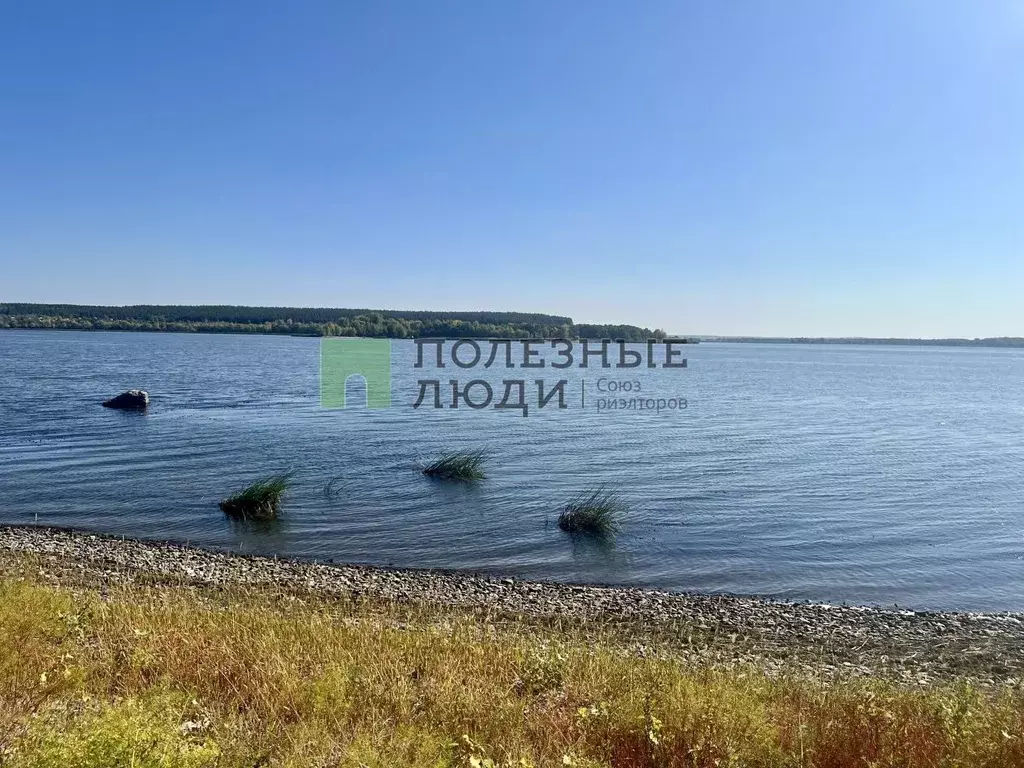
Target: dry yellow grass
[(167, 676)]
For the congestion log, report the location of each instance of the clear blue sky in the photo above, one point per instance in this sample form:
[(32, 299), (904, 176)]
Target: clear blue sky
[(732, 167)]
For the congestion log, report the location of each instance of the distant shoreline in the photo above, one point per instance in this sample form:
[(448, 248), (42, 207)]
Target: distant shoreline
[(394, 324), (993, 341), (1008, 342)]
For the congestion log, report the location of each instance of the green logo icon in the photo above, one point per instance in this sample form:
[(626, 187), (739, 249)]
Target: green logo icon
[(346, 360)]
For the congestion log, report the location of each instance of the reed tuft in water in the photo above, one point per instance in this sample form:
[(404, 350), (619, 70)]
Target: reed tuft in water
[(259, 501), (598, 512), (465, 466)]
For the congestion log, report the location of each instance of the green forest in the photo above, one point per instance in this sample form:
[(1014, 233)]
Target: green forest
[(376, 323)]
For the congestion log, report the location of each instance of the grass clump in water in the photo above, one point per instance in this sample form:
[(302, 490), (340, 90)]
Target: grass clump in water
[(259, 501), (597, 512), (457, 465)]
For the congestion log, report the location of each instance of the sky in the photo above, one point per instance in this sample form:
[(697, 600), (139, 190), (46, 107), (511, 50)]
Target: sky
[(734, 167)]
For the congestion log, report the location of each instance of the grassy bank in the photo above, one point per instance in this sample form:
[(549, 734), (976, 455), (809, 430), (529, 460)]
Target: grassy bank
[(174, 675)]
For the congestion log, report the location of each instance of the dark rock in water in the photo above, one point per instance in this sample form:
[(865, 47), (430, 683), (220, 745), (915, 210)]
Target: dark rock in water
[(132, 400)]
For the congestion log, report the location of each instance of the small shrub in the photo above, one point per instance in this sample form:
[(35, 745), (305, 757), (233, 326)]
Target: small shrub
[(260, 501), (541, 670), (457, 465), (596, 512), (152, 732)]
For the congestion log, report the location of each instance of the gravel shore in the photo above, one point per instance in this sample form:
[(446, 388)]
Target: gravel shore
[(916, 647)]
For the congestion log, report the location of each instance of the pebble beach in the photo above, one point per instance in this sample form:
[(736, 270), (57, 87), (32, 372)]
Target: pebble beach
[(917, 647)]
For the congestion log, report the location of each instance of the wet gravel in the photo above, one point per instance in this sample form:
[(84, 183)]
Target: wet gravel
[(915, 647)]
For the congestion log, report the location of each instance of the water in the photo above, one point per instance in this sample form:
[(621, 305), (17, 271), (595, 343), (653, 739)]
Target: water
[(845, 473)]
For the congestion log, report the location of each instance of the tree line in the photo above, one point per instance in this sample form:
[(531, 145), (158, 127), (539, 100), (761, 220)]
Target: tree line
[(392, 324)]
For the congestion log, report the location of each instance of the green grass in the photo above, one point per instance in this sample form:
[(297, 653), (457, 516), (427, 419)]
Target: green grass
[(457, 465), (259, 501), (169, 676), (597, 512)]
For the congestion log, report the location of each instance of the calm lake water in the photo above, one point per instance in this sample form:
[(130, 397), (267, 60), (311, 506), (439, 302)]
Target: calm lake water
[(844, 473)]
